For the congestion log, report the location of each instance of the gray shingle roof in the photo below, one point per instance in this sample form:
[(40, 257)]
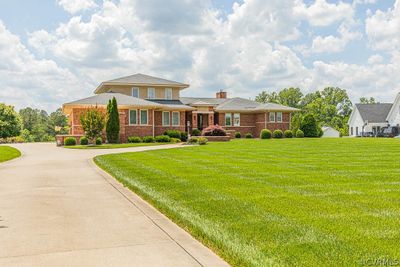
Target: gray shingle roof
[(171, 103), (242, 104), (374, 113), (211, 101), (277, 107), (145, 79), (125, 100)]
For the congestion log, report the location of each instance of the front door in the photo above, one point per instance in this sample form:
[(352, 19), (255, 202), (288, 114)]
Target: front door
[(202, 121)]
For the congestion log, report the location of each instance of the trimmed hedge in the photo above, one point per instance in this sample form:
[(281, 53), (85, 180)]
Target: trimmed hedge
[(277, 134), (175, 140), (162, 139), (238, 135), (249, 135), (173, 133), (99, 141), (148, 139), (202, 140), (69, 141), (134, 139), (288, 134), (193, 140), (196, 132), (299, 134), (184, 136), (265, 134), (84, 141)]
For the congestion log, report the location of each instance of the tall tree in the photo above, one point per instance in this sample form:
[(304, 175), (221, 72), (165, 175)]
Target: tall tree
[(265, 97), (364, 100), (10, 121), (57, 119), (92, 122), (309, 126), (290, 97), (112, 124)]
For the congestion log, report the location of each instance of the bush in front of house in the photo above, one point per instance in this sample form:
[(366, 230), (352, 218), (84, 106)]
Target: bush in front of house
[(214, 130), (309, 126), (265, 134), (249, 135), (162, 139), (99, 141), (69, 141), (277, 134), (196, 132), (193, 140), (148, 139), (202, 140), (184, 136), (173, 133), (299, 134), (84, 141), (134, 139), (288, 134), (175, 140), (238, 135)]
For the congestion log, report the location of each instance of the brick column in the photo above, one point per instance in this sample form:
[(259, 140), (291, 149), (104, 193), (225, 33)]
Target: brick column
[(194, 120), (211, 119)]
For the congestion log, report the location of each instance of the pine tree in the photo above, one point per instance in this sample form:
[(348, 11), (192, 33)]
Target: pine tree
[(112, 125)]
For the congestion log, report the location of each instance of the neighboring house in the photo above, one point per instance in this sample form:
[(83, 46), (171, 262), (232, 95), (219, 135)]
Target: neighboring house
[(370, 118), (150, 106), (330, 132)]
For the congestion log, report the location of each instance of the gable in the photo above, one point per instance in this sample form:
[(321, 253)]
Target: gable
[(394, 114)]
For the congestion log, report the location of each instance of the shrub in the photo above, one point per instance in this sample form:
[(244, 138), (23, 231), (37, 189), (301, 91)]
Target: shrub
[(148, 139), (277, 134), (249, 135), (196, 132), (202, 140), (184, 136), (265, 134), (320, 132), (173, 133), (309, 126), (134, 139), (299, 134), (84, 141), (92, 122), (193, 140), (99, 141), (69, 141), (162, 139), (175, 140), (238, 135), (112, 121), (288, 134), (214, 130)]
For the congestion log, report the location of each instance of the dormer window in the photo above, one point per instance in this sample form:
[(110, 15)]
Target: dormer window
[(168, 93), (135, 92), (151, 93)]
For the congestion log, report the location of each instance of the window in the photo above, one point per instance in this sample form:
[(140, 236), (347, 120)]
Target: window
[(176, 118), (279, 116), (133, 116), (236, 119), (165, 118), (351, 131), (151, 93), (228, 119), (143, 117), (272, 116), (168, 93), (135, 92), (357, 131)]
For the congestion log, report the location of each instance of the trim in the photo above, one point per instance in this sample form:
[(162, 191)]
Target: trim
[(153, 124), (163, 116), (269, 117), (129, 117), (140, 116), (172, 119)]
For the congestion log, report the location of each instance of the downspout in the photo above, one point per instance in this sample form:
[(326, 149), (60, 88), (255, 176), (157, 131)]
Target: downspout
[(153, 122), (265, 120)]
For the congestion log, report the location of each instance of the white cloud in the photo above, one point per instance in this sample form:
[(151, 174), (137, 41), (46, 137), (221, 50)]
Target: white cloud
[(322, 13), (375, 59), (75, 6), (383, 29)]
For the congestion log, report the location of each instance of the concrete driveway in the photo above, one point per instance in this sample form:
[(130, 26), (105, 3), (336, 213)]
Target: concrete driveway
[(58, 209)]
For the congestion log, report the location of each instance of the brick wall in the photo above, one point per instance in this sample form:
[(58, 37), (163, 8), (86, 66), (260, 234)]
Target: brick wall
[(160, 129)]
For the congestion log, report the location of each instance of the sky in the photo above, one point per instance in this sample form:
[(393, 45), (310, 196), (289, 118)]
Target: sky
[(55, 51)]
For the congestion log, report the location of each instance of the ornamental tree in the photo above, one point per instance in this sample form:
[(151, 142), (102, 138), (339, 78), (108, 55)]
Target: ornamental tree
[(10, 122), (112, 124), (92, 122)]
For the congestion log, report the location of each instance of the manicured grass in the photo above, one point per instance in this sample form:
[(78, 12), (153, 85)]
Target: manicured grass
[(293, 202), (110, 146), (8, 153)]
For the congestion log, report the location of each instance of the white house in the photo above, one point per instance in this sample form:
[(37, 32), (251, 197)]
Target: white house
[(370, 118), (330, 132)]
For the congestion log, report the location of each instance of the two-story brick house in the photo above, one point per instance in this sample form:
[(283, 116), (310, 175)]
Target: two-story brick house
[(150, 105)]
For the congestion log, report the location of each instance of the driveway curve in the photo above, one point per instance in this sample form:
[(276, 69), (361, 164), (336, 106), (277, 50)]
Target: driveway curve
[(58, 209)]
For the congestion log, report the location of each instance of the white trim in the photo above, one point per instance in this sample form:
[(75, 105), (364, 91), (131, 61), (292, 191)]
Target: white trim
[(149, 89), (140, 117), (129, 117), (276, 118), (169, 118), (138, 92), (165, 93), (234, 119), (179, 118)]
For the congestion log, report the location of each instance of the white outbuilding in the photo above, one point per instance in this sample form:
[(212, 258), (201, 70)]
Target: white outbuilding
[(330, 132)]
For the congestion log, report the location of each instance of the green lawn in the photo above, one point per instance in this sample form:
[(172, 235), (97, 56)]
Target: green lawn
[(110, 146), (8, 153), (293, 202)]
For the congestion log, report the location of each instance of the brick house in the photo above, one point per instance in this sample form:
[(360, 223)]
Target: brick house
[(150, 105)]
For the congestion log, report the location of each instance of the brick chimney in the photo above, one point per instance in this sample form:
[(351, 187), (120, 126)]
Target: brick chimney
[(221, 94)]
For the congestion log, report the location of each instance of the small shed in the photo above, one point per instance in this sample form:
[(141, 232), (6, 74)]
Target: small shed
[(330, 132)]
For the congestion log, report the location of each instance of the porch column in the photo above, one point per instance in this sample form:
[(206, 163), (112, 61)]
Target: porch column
[(211, 119), (194, 120)]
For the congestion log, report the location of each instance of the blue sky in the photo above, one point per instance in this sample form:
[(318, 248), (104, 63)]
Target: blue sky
[(54, 51)]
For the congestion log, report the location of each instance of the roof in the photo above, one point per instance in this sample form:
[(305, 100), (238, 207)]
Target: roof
[(123, 100), (325, 128), (208, 100), (239, 104), (277, 107), (141, 79), (172, 104), (374, 113)]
